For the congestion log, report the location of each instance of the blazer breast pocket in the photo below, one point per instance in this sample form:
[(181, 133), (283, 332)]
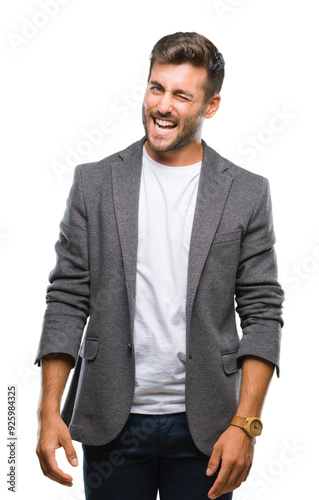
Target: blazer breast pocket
[(226, 237)]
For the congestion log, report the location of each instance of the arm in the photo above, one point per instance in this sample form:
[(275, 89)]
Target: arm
[(234, 447), (259, 300), (258, 294), (52, 432), (256, 376), (68, 306), (68, 295)]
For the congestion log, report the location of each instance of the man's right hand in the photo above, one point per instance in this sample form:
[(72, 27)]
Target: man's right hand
[(54, 434)]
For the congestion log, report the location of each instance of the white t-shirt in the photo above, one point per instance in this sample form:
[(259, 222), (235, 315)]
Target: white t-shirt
[(166, 211)]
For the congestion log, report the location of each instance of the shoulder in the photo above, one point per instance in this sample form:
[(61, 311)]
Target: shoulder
[(242, 178), (94, 170)]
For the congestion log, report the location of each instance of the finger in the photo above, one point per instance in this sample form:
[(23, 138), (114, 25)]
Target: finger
[(221, 483), (55, 472), (56, 479), (235, 478), (70, 451), (50, 468), (213, 462)]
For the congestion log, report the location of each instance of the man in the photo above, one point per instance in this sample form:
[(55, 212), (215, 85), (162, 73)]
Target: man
[(155, 243)]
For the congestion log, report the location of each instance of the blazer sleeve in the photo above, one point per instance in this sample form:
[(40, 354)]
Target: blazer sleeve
[(259, 296), (68, 294)]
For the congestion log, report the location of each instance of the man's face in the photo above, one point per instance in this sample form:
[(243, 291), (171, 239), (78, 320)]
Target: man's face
[(173, 108)]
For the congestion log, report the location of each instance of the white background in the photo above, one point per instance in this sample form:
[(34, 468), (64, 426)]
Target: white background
[(86, 64)]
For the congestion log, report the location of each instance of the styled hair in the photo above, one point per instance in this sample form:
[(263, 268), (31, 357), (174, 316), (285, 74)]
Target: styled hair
[(190, 47)]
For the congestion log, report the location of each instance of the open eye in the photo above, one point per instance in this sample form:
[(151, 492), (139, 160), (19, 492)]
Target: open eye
[(155, 88)]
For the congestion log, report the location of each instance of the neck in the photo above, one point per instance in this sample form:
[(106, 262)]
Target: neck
[(187, 155)]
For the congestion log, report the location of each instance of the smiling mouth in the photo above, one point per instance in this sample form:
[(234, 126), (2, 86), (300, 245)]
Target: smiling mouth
[(164, 125)]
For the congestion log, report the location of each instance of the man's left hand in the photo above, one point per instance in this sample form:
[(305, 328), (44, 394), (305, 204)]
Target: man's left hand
[(235, 449)]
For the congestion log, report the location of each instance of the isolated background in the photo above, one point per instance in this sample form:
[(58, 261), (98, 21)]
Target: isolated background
[(82, 68)]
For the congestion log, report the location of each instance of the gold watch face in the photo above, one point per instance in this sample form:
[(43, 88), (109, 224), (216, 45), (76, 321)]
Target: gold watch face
[(255, 427)]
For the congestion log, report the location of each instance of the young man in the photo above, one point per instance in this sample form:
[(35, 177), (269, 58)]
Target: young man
[(155, 243)]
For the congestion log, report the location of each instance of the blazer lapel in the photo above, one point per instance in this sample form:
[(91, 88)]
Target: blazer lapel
[(212, 194), (126, 177), (213, 190)]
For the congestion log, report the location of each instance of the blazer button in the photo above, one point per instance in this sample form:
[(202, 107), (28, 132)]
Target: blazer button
[(130, 347), (190, 356)]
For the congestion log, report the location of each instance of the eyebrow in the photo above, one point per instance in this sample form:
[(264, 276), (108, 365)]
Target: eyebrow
[(178, 91)]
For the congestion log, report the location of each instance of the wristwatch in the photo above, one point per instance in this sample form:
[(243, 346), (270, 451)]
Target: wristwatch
[(252, 426)]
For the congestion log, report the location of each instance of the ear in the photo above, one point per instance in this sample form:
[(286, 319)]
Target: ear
[(212, 105)]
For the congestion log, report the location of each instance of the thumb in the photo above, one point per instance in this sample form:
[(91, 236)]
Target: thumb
[(70, 450), (214, 460)]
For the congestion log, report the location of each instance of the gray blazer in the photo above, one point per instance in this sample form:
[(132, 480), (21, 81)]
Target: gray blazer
[(231, 255)]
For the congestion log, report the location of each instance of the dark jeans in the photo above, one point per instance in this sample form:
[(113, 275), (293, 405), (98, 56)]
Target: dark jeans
[(152, 453)]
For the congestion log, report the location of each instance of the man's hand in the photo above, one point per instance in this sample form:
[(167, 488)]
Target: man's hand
[(235, 449), (53, 433)]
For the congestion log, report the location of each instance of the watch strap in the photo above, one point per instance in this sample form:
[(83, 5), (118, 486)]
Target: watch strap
[(239, 421), (246, 423)]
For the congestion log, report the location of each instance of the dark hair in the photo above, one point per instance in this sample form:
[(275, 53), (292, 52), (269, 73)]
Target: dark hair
[(190, 47)]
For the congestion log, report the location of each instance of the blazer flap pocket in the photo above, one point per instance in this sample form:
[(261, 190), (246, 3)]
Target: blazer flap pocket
[(89, 348), (229, 360), (224, 237)]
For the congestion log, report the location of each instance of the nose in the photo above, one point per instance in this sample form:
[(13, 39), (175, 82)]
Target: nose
[(165, 103)]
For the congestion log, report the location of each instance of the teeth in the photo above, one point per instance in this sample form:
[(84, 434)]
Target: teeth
[(164, 123)]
